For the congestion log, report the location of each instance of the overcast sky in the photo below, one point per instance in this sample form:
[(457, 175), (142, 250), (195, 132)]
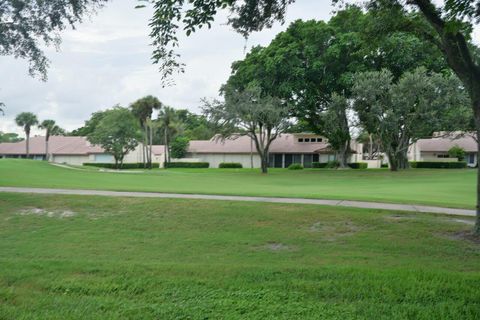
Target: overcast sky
[(106, 61)]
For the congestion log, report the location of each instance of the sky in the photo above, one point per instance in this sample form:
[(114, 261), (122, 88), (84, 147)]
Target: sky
[(106, 61)]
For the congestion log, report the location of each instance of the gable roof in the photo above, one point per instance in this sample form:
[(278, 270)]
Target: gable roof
[(285, 143), (443, 144), (58, 145)]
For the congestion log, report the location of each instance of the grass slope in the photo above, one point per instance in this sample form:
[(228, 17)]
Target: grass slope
[(451, 188), (72, 257)]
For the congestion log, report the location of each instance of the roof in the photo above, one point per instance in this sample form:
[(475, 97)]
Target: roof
[(443, 144), (285, 143), (58, 145)]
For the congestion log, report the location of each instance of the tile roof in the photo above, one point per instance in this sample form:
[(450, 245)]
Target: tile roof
[(286, 143), (58, 145), (443, 144)]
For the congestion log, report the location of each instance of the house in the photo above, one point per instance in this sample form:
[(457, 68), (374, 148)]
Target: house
[(69, 150), (437, 147), (302, 148)]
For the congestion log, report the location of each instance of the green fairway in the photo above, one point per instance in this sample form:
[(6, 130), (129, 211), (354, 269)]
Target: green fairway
[(78, 257), (450, 188)]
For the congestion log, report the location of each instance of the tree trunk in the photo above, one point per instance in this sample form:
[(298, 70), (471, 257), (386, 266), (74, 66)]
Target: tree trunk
[(370, 147), (165, 151), (151, 143), (392, 160), (145, 145), (264, 162), (28, 144), (342, 155), (476, 108), (46, 149)]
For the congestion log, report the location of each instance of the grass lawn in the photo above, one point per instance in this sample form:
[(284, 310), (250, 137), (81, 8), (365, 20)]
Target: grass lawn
[(79, 257), (450, 188)]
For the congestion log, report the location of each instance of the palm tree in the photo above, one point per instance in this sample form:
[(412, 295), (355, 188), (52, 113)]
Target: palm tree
[(142, 109), (51, 130), (26, 120), (170, 126), (2, 105)]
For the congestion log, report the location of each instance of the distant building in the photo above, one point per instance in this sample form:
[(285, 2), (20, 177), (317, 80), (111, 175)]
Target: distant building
[(436, 148), (286, 149)]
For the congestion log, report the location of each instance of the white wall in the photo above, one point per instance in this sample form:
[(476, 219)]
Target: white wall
[(73, 160)]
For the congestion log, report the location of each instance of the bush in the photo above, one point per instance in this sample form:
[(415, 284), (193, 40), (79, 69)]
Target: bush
[(332, 164), (230, 165), (384, 165), (319, 165), (295, 166), (138, 165), (179, 146), (358, 165), (438, 165), (457, 152), (187, 165)]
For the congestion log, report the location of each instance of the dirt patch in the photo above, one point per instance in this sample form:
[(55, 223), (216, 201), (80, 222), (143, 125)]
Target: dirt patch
[(333, 231), (47, 213), (400, 217), (465, 236), (464, 221), (277, 247)]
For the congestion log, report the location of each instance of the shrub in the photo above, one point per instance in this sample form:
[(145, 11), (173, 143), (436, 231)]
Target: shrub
[(230, 165), (179, 146), (319, 165), (295, 166), (138, 165), (332, 164), (384, 165), (457, 152), (358, 165), (187, 165), (438, 165)]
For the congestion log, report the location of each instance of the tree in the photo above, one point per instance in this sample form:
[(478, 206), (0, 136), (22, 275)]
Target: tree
[(249, 113), (400, 113), (9, 137), (26, 120), (179, 146), (142, 110), (457, 152), (169, 126), (2, 105), (51, 129), (90, 125), (117, 133), (24, 25)]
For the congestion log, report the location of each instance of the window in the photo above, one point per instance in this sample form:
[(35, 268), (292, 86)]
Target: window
[(471, 158), (278, 160), (442, 156), (300, 139), (271, 160), (316, 157), (307, 140), (319, 139), (297, 158), (288, 160)]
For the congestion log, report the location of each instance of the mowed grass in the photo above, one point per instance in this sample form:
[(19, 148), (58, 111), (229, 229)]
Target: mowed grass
[(79, 257), (450, 188)]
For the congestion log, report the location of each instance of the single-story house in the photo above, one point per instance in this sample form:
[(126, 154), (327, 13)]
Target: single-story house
[(69, 150), (437, 147), (302, 148)]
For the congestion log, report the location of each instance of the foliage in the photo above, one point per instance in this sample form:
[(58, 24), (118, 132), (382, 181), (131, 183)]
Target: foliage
[(187, 164), (26, 26), (169, 127), (179, 146), (457, 152), (414, 107), (26, 120), (51, 128), (249, 113), (138, 165), (9, 137), (230, 165), (90, 124), (117, 133), (295, 166), (333, 164), (195, 127), (438, 164), (358, 165), (319, 165)]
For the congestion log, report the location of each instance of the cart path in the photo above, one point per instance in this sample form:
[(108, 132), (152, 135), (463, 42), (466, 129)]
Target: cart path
[(326, 202)]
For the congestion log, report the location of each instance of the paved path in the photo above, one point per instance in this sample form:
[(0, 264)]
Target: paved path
[(339, 203)]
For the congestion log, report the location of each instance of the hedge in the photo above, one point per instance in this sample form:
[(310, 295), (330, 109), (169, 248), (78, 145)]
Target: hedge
[(187, 164), (358, 165), (138, 165), (295, 166), (438, 165), (230, 165)]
